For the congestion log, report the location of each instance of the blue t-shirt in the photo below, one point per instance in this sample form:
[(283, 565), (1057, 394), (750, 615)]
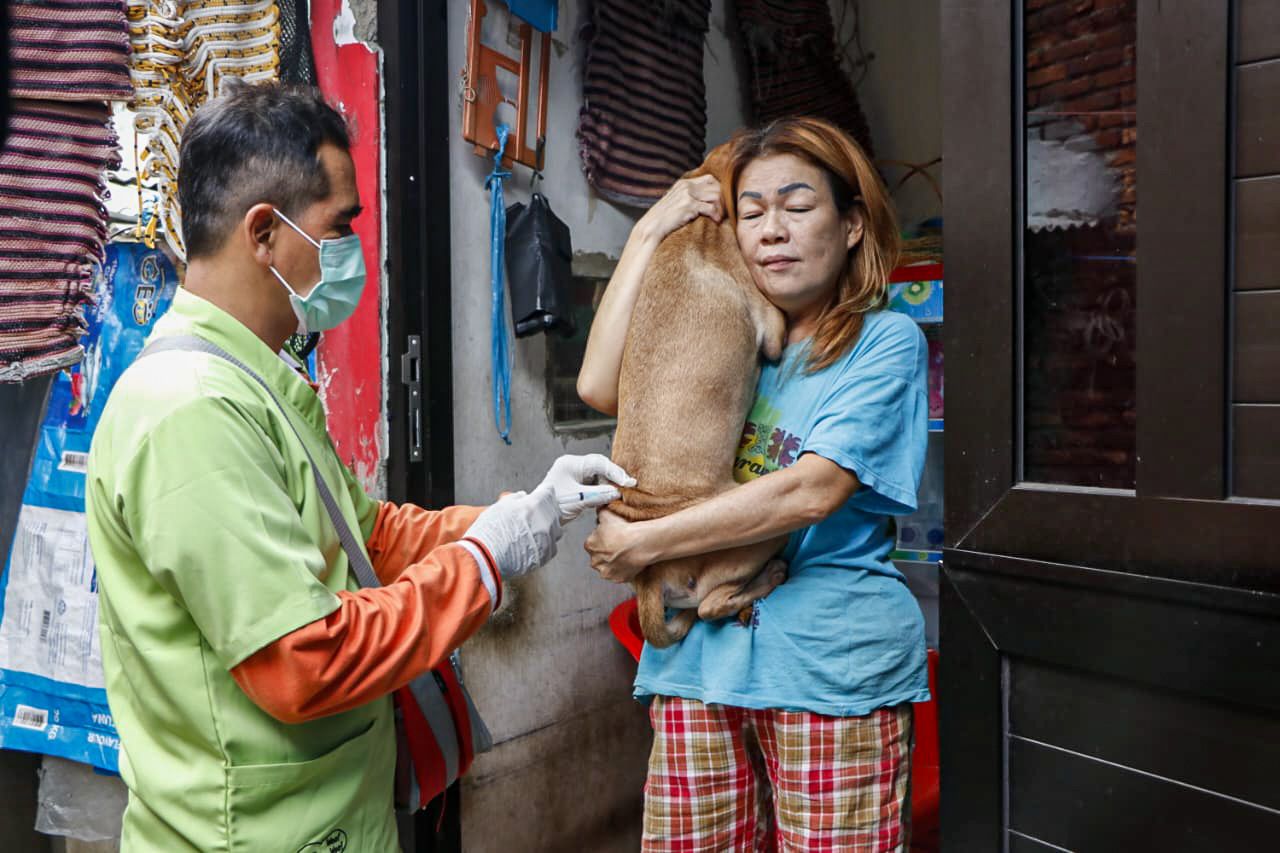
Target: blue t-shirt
[(843, 635)]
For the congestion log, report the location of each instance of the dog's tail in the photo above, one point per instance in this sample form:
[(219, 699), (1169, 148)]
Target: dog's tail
[(652, 612)]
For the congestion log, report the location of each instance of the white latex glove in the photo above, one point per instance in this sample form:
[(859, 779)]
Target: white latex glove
[(582, 482), (520, 531)]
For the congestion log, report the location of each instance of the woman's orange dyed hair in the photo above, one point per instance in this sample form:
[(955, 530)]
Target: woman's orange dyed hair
[(864, 284)]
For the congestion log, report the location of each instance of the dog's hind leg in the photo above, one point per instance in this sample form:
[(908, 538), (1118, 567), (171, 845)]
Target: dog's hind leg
[(727, 599)]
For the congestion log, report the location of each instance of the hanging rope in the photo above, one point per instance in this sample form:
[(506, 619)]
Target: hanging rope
[(500, 355)]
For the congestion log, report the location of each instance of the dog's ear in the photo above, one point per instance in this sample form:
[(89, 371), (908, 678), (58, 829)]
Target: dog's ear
[(716, 163)]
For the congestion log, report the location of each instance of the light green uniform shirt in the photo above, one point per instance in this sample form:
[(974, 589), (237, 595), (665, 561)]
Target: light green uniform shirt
[(211, 541)]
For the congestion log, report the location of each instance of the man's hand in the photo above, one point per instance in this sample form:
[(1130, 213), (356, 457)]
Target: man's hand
[(614, 550), (519, 531), (583, 482)]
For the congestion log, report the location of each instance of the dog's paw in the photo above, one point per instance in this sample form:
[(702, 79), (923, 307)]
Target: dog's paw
[(772, 334), (776, 573)]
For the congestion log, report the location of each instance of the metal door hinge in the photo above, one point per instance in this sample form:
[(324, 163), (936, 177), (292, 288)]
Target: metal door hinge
[(411, 376)]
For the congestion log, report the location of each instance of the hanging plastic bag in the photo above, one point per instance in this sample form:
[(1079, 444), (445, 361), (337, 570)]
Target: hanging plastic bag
[(539, 268), (544, 15)]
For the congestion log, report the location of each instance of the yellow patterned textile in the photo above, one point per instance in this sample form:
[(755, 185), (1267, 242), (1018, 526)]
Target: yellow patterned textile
[(182, 53)]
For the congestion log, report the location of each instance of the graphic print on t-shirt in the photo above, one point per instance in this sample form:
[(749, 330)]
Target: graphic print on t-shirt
[(764, 446)]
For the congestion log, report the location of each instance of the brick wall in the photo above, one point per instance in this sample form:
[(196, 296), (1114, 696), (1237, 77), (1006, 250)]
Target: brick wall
[(1081, 74), (1079, 296)]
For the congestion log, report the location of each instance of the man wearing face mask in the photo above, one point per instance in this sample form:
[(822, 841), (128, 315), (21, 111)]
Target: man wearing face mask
[(248, 674)]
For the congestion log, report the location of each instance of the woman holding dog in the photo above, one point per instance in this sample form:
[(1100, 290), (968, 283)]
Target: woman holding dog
[(794, 726)]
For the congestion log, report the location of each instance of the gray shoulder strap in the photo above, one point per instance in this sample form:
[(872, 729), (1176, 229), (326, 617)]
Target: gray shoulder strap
[(355, 554)]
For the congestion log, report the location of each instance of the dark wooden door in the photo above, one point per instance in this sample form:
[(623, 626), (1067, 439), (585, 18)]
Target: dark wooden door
[(1110, 639)]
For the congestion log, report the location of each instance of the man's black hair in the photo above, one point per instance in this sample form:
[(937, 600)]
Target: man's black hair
[(253, 144)]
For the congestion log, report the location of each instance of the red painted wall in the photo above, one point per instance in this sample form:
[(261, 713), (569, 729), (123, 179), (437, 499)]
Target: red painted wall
[(350, 357)]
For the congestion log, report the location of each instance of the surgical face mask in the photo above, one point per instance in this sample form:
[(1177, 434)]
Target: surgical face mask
[(336, 295)]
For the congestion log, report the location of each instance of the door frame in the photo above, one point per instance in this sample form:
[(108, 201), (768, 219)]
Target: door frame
[(415, 46), (416, 79)]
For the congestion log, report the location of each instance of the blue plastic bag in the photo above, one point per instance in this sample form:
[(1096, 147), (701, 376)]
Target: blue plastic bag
[(544, 15), (52, 698)]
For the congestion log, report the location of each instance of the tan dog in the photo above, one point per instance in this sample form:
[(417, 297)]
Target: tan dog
[(687, 381)]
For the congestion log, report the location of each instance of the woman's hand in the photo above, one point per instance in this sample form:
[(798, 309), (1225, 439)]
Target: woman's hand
[(613, 549), (687, 199)]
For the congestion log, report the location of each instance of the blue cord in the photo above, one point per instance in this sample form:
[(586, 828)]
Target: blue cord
[(501, 349)]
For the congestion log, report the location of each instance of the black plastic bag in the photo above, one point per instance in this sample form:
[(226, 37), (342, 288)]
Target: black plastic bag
[(539, 269)]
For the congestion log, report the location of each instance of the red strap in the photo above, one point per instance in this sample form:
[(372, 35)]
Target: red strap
[(461, 717), (428, 760)]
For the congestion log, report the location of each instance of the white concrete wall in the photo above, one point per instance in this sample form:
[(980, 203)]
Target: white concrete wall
[(548, 676)]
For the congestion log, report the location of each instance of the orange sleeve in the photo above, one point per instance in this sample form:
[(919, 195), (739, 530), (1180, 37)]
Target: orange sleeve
[(405, 534), (377, 640)]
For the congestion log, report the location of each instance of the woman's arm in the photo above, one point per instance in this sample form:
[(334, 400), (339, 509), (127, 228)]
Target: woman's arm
[(786, 500), (602, 362)]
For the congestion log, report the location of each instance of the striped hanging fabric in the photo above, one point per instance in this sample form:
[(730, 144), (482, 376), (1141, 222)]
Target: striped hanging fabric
[(68, 50), (66, 59), (52, 227), (643, 121), (794, 66)]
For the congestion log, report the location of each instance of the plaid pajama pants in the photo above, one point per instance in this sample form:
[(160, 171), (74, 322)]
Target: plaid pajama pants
[(727, 779)]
